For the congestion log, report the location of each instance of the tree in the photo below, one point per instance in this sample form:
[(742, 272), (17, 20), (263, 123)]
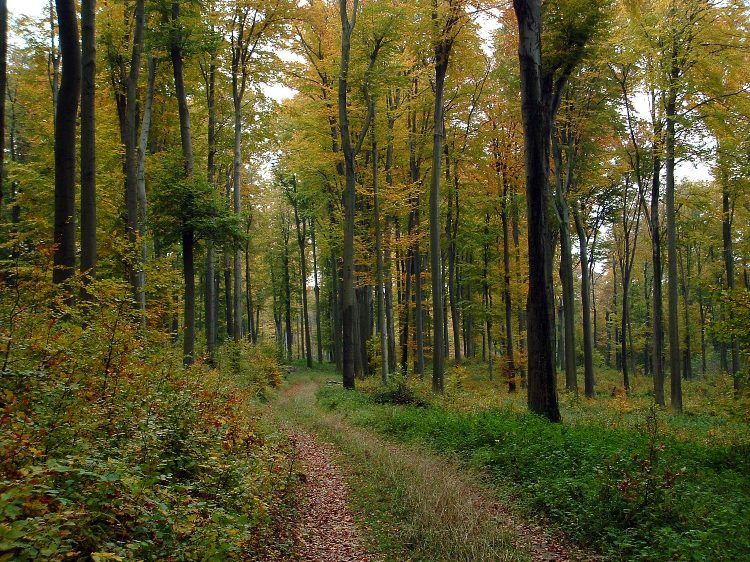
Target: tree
[(88, 138), (66, 115), (350, 151), (447, 26)]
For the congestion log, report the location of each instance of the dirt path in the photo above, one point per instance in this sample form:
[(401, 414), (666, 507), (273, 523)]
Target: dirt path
[(327, 532)]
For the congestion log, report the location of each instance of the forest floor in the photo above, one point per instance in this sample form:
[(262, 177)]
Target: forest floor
[(366, 499)]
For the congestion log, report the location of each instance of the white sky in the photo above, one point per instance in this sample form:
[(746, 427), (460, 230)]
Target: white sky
[(685, 170)]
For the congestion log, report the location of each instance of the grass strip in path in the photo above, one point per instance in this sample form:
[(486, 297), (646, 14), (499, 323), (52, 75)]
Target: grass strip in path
[(415, 505)]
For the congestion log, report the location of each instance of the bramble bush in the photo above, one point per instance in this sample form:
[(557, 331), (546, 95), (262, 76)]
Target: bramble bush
[(110, 450)]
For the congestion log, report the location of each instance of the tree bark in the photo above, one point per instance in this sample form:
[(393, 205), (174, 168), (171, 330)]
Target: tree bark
[(382, 326), (301, 238), (673, 282), (65, 143), (350, 151), (542, 386), (88, 135), (316, 291), (211, 301), (566, 264), (188, 236), (588, 337), (658, 331), (442, 54)]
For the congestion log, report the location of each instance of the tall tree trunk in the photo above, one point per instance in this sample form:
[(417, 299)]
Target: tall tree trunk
[(316, 291), (88, 132), (336, 308), (350, 151), (442, 54), (673, 282), (380, 286), (658, 331), (251, 325), (450, 231), (3, 88), (727, 216), (685, 286), (237, 203), (188, 236), (142, 205), (289, 340), (647, 321), (301, 238), (129, 135), (418, 305), (227, 267), (566, 264), (211, 301), (66, 116), (542, 386), (486, 297), (588, 337)]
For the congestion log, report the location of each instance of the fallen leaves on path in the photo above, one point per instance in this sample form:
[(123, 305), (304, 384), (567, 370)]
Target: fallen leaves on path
[(327, 531)]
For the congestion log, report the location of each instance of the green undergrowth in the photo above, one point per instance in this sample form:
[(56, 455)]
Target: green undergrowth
[(636, 494), (111, 450)]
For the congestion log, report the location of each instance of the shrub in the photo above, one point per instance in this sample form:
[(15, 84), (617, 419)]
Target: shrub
[(398, 391), (110, 450)]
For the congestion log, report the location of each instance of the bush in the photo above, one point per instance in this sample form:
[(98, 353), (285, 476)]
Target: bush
[(255, 367), (110, 450), (398, 391)]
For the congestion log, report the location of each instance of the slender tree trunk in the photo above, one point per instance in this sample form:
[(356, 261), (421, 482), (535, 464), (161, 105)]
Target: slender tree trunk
[(418, 307), (211, 301), (130, 138), (566, 264), (316, 290), (237, 203), (442, 54), (65, 143), (188, 236), (336, 307), (452, 298), (287, 298), (3, 88), (624, 321), (350, 150), (301, 238), (486, 297), (382, 326), (673, 282), (251, 328), (647, 321), (658, 332), (88, 131), (510, 361), (588, 337), (729, 274), (227, 292), (685, 273), (142, 205)]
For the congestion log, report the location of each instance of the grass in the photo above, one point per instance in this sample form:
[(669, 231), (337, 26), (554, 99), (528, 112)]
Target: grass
[(632, 482), (412, 505)]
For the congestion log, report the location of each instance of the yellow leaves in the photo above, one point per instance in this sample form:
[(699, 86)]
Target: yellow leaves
[(102, 556)]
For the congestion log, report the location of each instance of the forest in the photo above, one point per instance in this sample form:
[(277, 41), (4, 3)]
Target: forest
[(374, 280)]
